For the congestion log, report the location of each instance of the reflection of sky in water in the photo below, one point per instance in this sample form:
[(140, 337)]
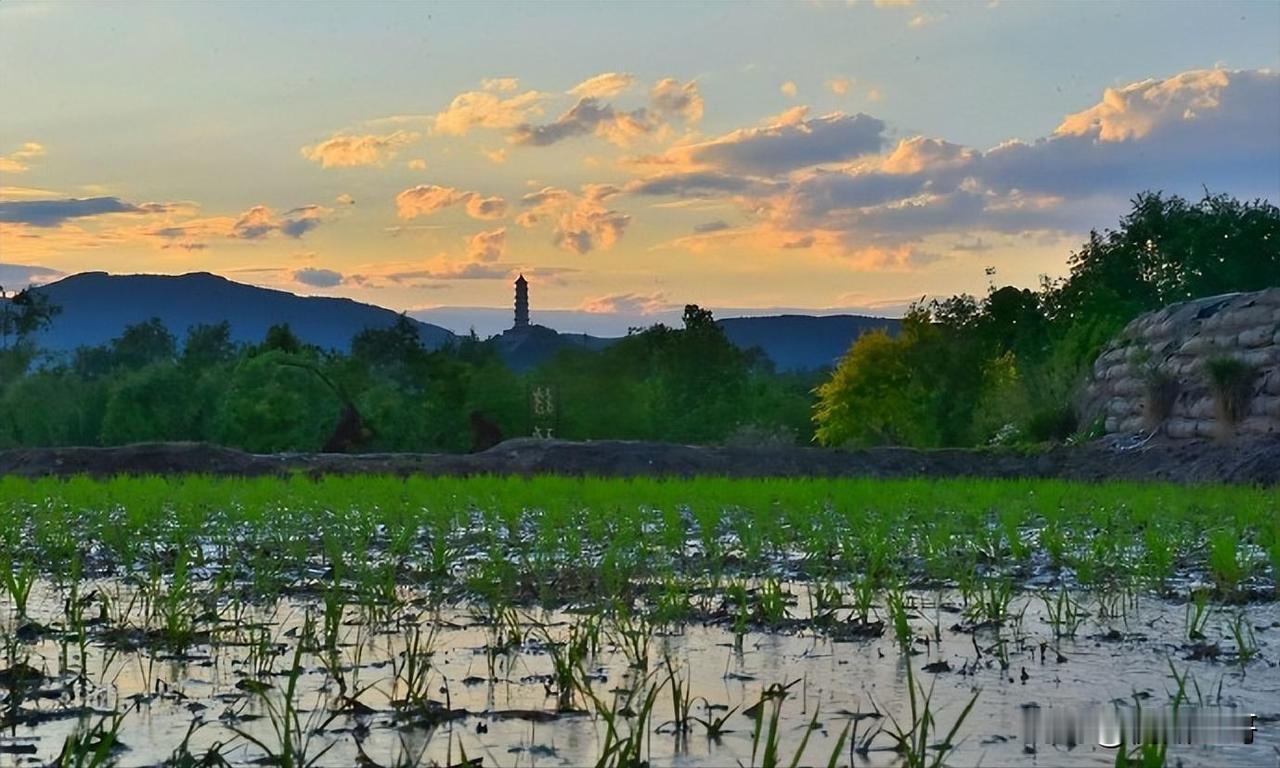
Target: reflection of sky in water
[(837, 678)]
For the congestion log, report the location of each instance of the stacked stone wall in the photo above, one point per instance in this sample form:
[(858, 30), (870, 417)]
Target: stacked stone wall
[(1154, 376)]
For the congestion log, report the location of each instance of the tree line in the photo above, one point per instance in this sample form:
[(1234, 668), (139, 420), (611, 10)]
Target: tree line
[(961, 371), (1004, 368), (687, 384)]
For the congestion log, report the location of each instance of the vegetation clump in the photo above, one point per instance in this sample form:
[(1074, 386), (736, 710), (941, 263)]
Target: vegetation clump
[(1231, 381)]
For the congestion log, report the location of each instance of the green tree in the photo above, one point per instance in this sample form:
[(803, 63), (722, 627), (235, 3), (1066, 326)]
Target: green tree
[(208, 345), (152, 403), (143, 344), (272, 405), (873, 397)]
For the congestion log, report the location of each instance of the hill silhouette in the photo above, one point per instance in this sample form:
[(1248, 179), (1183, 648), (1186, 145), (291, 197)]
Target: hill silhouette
[(96, 307)]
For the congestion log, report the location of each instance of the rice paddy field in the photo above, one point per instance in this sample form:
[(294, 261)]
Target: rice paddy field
[(486, 621)]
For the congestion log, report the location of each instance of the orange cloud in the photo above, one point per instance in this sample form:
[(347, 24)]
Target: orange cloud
[(1133, 111), (18, 160), (628, 303), (669, 97), (487, 247), (483, 109), (603, 86), (582, 222), (346, 151), (501, 84), (426, 199)]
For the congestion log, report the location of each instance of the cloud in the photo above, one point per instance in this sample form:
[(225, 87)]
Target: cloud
[(1213, 128), (317, 278), (698, 183), (583, 222), (22, 275), (416, 164), (487, 247), (626, 303), (711, 226), (788, 89), (924, 19), (257, 223), (483, 109), (299, 221), (971, 244), (426, 199), (18, 160), (496, 156), (500, 84), (840, 85), (254, 223), (786, 145), (348, 151), (25, 193), (603, 86), (589, 116), (51, 213), (345, 199), (671, 99)]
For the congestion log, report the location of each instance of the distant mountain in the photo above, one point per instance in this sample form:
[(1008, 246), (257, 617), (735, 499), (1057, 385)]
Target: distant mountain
[(803, 342), (96, 307)]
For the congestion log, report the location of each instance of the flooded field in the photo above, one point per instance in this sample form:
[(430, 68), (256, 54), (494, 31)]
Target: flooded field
[(370, 622)]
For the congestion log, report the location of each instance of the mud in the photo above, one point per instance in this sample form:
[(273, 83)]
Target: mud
[(1254, 461)]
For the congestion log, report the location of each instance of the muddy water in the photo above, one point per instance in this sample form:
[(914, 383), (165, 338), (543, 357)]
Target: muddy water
[(507, 714)]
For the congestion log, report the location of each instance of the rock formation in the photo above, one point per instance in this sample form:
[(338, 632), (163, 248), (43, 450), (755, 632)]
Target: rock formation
[(1203, 368)]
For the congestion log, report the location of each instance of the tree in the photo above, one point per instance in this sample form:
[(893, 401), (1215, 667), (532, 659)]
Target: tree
[(208, 345), (871, 397), (25, 313), (152, 403), (143, 344), (274, 402), (281, 338), (395, 351)]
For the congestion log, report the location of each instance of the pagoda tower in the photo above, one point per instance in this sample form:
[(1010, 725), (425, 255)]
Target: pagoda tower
[(522, 303)]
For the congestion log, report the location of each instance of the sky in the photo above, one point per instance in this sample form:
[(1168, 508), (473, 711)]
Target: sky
[(628, 158)]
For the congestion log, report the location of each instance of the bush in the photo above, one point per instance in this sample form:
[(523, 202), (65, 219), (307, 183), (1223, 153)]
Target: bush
[(1055, 423), (1160, 390), (1231, 382)]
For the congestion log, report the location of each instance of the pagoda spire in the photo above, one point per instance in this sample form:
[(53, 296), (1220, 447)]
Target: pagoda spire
[(522, 302)]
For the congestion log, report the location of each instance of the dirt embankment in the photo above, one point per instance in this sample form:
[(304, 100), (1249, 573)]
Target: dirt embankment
[(1246, 461)]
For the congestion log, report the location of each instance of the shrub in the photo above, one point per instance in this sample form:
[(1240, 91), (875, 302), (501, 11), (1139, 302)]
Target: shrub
[(1160, 390), (1231, 382), (1055, 423)]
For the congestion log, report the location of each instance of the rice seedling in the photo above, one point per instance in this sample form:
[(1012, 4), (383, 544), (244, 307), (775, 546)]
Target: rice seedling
[(1197, 615), (896, 604), (293, 745), (1245, 641), (914, 739), (991, 601), (411, 670), (95, 746), (17, 580), (1065, 615)]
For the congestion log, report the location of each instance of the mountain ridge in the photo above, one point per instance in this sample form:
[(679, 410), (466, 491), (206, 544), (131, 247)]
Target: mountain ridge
[(97, 306)]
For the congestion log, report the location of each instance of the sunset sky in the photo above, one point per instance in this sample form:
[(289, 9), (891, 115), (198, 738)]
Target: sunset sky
[(627, 158)]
